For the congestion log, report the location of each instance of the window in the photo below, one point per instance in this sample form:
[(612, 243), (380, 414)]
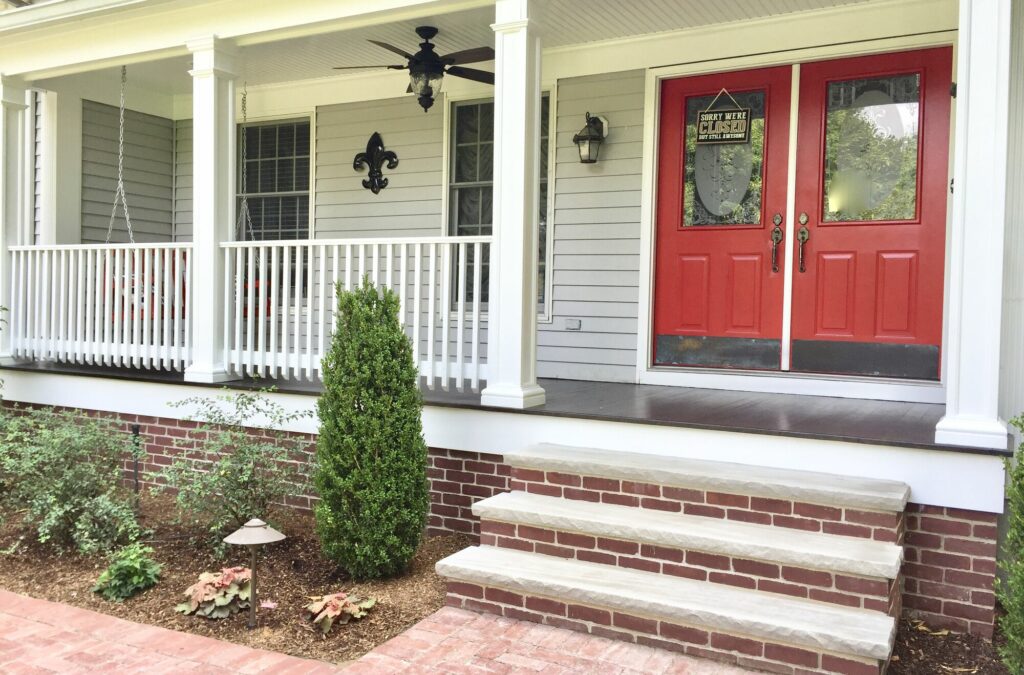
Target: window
[(472, 180), (274, 179)]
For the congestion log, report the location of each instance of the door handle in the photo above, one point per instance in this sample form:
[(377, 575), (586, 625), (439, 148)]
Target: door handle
[(776, 238), (802, 236)]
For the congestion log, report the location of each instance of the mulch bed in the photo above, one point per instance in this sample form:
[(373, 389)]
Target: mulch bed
[(922, 650), (289, 572)]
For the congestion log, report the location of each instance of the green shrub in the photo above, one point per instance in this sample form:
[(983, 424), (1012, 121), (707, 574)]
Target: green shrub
[(218, 595), (1011, 590), (131, 571), (371, 457), (229, 473), (63, 472)]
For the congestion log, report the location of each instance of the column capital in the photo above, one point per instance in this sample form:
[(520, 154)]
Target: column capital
[(12, 92), (213, 55), (513, 15)]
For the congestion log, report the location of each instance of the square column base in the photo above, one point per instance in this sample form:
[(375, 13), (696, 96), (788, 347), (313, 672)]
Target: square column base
[(512, 396), (971, 431), (208, 376)]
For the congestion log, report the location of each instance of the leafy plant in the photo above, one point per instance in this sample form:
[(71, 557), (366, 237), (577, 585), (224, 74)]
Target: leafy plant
[(218, 595), (228, 472), (131, 571), (1011, 589), (338, 608), (371, 457), (63, 472)]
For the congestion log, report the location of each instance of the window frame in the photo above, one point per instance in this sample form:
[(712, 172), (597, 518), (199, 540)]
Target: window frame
[(272, 120), (544, 313)]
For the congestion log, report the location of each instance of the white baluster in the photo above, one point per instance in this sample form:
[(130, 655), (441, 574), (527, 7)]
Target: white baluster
[(475, 345)]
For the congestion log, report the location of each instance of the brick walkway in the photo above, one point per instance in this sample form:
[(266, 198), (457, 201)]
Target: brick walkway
[(456, 641), (40, 638)]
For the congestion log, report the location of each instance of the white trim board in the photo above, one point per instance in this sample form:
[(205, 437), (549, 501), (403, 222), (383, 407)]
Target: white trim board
[(936, 477)]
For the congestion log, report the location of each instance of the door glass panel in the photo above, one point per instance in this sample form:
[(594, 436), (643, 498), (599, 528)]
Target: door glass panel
[(871, 137), (723, 180)]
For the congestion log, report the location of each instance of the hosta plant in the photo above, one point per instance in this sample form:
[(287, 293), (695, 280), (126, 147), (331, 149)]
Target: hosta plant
[(218, 595), (131, 571), (339, 608)]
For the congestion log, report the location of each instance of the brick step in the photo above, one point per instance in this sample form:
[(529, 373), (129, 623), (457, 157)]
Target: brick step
[(843, 570), (747, 627), (803, 500)]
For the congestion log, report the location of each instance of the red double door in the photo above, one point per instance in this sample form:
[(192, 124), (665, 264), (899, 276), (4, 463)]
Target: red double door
[(858, 277)]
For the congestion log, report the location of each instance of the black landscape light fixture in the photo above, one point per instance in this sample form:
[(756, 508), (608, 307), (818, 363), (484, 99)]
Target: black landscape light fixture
[(252, 535), (590, 138)]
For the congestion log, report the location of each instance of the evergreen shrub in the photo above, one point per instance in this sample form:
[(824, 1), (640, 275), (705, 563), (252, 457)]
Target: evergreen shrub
[(1010, 590)]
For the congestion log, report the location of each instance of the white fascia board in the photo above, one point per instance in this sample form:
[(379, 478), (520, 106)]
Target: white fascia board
[(936, 477)]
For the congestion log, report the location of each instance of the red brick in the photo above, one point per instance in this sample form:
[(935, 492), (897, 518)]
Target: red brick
[(702, 510), (798, 657), (924, 540), (945, 526), (682, 494), (807, 577), (619, 499), (569, 479), (701, 559), (922, 603), (983, 598), (956, 609), (544, 489), (640, 564), (732, 580), (518, 544), (686, 572), (749, 516), (536, 533), (659, 644), (635, 623), (446, 463), (645, 489), (817, 511), (939, 559), (846, 529), (468, 590), (609, 634), (480, 467), (980, 516), (872, 518), (521, 615), (602, 484), (686, 634), (944, 591), (528, 475), (618, 546), (797, 523), (577, 540), (755, 568), (660, 504), (559, 622), (503, 596), (546, 606), (591, 614), (597, 556), (581, 495), (834, 664), (822, 595), (923, 571), (983, 566), (478, 606), (731, 643), (985, 549), (986, 532), (770, 586), (724, 499), (771, 505), (556, 551), (662, 553), (862, 585)]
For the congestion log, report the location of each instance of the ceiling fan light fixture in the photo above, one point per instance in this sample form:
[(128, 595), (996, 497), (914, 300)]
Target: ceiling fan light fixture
[(425, 83)]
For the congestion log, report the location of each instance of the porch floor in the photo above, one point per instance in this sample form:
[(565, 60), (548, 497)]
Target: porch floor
[(819, 417)]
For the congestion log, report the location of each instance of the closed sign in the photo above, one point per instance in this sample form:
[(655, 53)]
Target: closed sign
[(723, 126)]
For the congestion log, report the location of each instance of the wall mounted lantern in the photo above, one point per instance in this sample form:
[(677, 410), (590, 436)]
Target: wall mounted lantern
[(252, 535), (590, 138)]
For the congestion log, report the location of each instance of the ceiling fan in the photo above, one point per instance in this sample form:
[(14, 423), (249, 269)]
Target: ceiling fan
[(427, 68)]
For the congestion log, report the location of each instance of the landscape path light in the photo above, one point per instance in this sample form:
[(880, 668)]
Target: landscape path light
[(252, 535)]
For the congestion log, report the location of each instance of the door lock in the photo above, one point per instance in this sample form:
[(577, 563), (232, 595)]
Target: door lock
[(802, 235), (776, 238)]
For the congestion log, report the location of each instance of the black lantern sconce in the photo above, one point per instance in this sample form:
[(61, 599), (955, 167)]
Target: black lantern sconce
[(590, 138)]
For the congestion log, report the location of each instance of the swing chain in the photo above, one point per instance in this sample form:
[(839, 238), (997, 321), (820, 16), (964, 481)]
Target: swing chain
[(244, 217), (119, 194)]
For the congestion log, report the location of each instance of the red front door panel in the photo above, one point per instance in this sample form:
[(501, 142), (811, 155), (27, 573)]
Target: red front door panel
[(718, 301), (872, 167)]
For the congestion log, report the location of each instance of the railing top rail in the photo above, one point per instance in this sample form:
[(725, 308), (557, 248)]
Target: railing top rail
[(359, 241), (102, 247)]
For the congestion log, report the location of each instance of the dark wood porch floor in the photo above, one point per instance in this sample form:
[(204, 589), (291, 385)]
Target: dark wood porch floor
[(820, 417)]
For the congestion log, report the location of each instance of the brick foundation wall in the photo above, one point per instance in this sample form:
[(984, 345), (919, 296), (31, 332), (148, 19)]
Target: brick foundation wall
[(457, 480)]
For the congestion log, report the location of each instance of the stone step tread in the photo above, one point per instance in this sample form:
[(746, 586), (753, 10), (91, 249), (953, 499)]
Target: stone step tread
[(814, 550), (773, 618), (796, 485)]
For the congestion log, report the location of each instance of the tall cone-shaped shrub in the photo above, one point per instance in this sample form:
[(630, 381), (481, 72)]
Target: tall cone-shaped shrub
[(371, 458)]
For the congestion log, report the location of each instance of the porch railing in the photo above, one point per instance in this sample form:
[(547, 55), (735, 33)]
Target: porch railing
[(281, 300), (124, 305)]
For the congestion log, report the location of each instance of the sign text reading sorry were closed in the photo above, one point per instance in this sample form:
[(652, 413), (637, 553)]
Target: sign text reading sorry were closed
[(724, 126)]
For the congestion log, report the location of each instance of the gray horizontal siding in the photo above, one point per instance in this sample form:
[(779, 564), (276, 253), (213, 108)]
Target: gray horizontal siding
[(183, 180), (148, 174), (596, 254), (411, 204)]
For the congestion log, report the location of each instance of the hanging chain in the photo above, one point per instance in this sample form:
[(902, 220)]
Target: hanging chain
[(119, 193), (244, 224)]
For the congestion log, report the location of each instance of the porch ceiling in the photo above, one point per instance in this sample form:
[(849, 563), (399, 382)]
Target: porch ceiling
[(563, 25)]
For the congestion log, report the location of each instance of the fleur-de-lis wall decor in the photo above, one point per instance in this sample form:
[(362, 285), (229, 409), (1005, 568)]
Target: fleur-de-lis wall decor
[(375, 157)]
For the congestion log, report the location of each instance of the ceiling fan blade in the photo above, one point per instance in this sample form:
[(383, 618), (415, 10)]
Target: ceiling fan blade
[(470, 55), (373, 66), (472, 74), (392, 48)]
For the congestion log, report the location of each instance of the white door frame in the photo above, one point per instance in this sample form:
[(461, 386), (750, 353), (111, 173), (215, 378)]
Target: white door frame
[(773, 382)]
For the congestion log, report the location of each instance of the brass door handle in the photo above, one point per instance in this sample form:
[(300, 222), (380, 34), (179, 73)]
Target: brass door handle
[(776, 238), (802, 235)]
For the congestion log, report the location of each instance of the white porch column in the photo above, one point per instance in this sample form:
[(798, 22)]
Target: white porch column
[(979, 219), (512, 313), (213, 201), (13, 192)]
